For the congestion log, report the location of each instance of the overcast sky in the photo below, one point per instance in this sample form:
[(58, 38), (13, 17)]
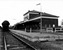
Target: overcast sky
[(13, 10)]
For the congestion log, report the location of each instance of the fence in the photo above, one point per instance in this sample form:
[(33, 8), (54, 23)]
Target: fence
[(49, 29), (56, 30), (46, 30)]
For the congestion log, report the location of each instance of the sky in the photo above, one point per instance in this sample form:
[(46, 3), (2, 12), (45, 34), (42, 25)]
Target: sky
[(13, 10)]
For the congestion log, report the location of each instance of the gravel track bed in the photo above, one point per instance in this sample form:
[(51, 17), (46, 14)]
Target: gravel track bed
[(14, 44)]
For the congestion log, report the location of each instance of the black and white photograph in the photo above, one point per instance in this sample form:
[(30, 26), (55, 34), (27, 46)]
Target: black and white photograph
[(31, 24)]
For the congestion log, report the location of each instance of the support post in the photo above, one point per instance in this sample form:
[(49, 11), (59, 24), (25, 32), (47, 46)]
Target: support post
[(49, 25), (25, 29), (41, 25), (30, 30)]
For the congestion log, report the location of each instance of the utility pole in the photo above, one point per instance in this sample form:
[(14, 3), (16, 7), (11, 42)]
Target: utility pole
[(40, 16)]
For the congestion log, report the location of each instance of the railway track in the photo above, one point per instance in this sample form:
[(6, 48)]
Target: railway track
[(12, 42)]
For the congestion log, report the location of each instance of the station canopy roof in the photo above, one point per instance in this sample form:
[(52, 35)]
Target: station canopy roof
[(43, 13), (34, 11)]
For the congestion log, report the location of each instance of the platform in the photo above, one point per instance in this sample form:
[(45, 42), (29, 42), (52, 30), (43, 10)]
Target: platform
[(38, 36)]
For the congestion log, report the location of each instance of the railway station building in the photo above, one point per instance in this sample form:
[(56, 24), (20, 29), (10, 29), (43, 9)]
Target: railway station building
[(36, 21)]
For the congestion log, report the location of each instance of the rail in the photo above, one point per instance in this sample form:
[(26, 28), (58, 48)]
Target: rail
[(5, 42), (5, 46), (25, 42)]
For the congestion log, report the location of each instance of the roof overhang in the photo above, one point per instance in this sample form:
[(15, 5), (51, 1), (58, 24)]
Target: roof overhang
[(38, 18)]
